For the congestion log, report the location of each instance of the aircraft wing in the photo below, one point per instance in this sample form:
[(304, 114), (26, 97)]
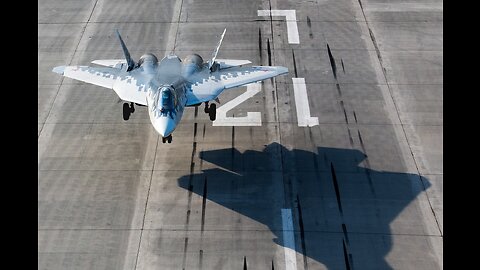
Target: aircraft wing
[(207, 86), (244, 75), (100, 76), (126, 85)]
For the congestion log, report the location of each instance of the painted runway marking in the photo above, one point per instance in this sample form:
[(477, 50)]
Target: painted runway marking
[(288, 240), (404, 7), (290, 17), (252, 118), (301, 103), (173, 31)]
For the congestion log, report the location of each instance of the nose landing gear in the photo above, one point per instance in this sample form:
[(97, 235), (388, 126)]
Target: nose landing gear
[(167, 139)]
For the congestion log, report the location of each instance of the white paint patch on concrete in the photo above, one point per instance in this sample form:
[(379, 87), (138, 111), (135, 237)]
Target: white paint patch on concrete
[(172, 33), (403, 7), (288, 240), (301, 103), (290, 17), (252, 118)]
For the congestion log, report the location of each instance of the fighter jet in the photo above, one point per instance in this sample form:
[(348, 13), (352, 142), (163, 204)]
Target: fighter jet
[(166, 87)]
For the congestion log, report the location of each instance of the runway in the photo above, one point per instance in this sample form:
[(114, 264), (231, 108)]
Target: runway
[(336, 165)]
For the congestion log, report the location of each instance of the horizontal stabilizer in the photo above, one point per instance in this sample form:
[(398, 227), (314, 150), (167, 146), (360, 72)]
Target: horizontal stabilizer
[(109, 62), (228, 63), (59, 69)]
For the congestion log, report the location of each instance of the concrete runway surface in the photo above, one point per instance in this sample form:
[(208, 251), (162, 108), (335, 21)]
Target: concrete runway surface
[(340, 168)]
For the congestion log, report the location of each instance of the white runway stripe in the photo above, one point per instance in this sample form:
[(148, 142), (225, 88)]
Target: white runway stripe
[(301, 103), (403, 7), (290, 17), (288, 240)]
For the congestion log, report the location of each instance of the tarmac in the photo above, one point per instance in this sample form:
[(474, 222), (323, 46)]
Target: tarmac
[(340, 165)]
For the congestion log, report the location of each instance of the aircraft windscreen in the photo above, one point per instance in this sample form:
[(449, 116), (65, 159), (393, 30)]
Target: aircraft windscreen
[(167, 99)]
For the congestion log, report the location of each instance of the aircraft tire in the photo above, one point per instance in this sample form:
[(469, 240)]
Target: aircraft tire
[(213, 112), (126, 111), (206, 109), (169, 139), (164, 140)]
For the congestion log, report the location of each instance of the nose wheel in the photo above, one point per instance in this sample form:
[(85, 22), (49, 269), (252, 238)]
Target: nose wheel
[(211, 110), (167, 139), (128, 110)]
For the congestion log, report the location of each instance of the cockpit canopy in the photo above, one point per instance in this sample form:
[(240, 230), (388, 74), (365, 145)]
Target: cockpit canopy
[(164, 98), (168, 98)]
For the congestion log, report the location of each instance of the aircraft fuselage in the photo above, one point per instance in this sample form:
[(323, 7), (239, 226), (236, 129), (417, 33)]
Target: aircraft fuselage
[(166, 97)]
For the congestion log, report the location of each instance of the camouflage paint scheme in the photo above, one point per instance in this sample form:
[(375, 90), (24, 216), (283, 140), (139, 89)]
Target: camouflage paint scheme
[(169, 85)]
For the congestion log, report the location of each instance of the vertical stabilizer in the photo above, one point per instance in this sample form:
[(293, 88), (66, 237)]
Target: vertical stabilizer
[(130, 62), (215, 52)]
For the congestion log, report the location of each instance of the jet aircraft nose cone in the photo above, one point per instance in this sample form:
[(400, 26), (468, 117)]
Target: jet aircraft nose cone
[(164, 125)]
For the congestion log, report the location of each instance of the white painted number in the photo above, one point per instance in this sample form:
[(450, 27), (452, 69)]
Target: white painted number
[(252, 118)]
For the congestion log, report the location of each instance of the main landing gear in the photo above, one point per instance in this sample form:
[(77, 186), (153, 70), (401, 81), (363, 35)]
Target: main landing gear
[(128, 110), (211, 110), (167, 139)]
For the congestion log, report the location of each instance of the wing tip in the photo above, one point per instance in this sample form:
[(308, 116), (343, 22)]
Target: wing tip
[(282, 70), (59, 69), (279, 70)]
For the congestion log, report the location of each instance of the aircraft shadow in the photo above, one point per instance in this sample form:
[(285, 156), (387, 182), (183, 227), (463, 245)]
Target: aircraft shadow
[(342, 211)]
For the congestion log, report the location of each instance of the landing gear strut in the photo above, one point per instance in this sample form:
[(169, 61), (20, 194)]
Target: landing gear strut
[(167, 139), (128, 110), (211, 110)]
